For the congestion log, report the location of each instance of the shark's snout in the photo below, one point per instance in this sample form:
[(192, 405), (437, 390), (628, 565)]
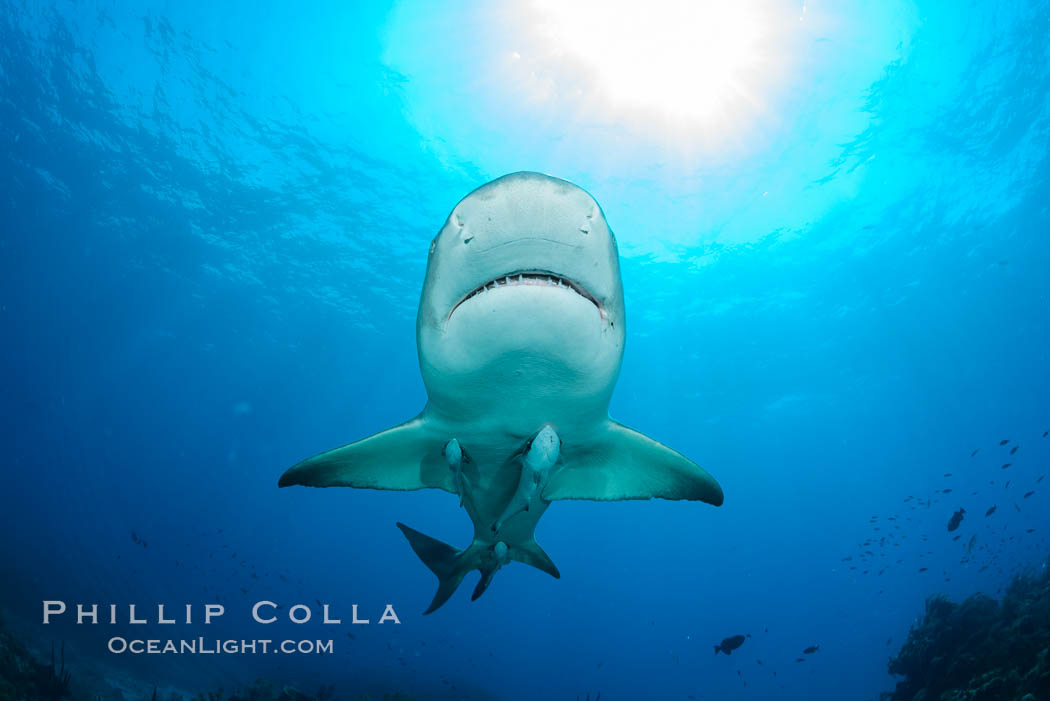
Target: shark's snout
[(544, 239), (524, 229)]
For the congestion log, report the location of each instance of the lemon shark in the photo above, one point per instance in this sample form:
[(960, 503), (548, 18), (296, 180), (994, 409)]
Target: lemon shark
[(520, 326)]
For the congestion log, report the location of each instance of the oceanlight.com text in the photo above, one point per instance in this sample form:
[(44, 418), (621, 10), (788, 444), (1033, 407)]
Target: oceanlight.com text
[(214, 646)]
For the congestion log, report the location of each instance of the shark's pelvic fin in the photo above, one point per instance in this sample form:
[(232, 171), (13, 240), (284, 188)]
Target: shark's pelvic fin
[(450, 565), (532, 554), (404, 457), (625, 464)]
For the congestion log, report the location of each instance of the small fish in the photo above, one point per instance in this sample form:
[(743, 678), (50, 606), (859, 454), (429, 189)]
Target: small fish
[(974, 453), (731, 643), (1004, 441), (947, 474), (946, 491), (800, 659), (889, 641), (1007, 485), (1014, 449), (811, 649), (1018, 508), (1030, 530), (1040, 479), (956, 519), (989, 512), (1006, 465), (758, 661), (923, 569), (1028, 494), (969, 546), (1045, 433)]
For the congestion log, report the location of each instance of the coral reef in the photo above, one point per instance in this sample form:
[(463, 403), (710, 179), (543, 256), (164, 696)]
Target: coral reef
[(981, 649), (23, 678)]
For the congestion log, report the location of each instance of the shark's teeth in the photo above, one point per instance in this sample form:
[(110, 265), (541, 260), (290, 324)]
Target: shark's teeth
[(531, 278)]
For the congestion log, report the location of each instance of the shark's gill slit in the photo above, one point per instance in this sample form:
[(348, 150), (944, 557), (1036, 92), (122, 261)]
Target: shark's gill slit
[(535, 278)]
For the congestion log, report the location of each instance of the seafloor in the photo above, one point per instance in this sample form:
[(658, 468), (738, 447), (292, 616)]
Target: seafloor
[(977, 650), (24, 677)]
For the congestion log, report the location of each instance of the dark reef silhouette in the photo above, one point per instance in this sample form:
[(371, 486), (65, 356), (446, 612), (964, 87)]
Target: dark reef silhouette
[(24, 678), (981, 649)]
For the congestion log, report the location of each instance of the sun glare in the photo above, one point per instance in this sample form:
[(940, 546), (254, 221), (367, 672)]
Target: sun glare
[(689, 60), (697, 68)]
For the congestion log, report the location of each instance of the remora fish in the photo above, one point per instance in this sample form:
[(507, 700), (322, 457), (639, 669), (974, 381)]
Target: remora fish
[(538, 457), (520, 324)]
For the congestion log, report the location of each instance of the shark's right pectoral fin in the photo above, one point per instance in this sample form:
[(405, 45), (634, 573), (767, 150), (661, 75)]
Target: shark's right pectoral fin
[(404, 457), (624, 464)]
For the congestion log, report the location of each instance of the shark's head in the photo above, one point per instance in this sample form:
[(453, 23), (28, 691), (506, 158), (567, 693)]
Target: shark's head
[(523, 285)]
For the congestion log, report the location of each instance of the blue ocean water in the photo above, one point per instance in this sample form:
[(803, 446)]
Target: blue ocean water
[(215, 221)]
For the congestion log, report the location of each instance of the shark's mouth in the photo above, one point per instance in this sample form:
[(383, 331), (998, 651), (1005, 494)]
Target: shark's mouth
[(537, 278)]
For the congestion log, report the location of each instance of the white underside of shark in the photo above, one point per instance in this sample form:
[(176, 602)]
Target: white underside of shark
[(521, 324)]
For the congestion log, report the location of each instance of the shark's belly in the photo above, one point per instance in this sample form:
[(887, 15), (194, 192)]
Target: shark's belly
[(519, 392), (494, 441)]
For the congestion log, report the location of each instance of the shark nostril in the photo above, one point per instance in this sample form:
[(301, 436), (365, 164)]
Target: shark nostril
[(464, 234), (586, 226)]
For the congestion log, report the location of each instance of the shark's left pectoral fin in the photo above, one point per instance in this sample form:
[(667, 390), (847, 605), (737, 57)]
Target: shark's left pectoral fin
[(404, 457), (624, 464)]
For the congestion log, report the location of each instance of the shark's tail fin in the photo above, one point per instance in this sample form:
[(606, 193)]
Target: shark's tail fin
[(450, 565)]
